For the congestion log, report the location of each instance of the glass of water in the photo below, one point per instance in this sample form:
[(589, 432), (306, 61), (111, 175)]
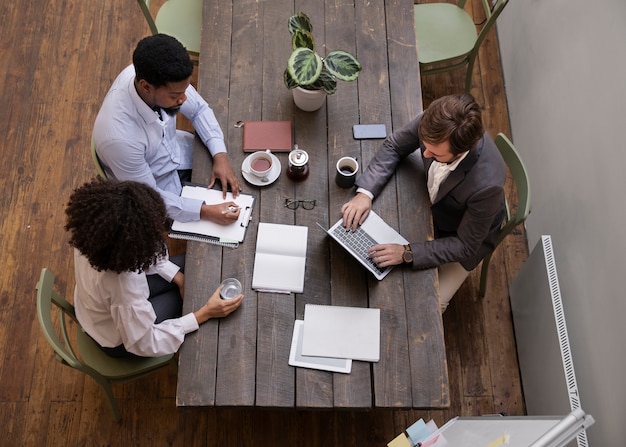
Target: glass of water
[(231, 288)]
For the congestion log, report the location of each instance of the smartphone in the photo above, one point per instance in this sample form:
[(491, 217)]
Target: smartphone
[(368, 131)]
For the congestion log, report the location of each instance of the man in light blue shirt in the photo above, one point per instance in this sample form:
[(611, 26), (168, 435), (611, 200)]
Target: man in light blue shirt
[(135, 133)]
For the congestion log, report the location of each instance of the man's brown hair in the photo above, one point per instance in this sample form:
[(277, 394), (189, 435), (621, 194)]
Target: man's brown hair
[(456, 118)]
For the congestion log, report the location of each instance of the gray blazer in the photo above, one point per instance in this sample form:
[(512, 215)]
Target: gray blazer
[(469, 208)]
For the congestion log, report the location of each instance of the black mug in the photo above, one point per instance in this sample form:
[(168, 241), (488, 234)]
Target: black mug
[(347, 169)]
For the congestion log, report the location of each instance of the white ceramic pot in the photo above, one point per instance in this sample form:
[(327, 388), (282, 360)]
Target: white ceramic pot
[(308, 100)]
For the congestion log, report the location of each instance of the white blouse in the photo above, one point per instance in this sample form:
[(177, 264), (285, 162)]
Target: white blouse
[(114, 309)]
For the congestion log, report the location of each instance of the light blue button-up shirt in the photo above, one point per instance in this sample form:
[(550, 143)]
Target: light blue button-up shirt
[(134, 144)]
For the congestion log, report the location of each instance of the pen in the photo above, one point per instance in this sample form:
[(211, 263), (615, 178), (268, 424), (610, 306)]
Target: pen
[(284, 292), (231, 209)]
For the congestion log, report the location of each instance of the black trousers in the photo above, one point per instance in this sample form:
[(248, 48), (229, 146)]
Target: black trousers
[(165, 299)]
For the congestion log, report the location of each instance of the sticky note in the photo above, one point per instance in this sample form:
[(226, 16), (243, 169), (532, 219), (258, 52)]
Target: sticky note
[(502, 440), (400, 441), (418, 431)]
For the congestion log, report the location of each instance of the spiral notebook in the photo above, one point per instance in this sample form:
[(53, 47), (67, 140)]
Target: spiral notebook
[(205, 231)]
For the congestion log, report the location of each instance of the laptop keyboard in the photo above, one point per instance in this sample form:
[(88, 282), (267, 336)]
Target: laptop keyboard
[(358, 242)]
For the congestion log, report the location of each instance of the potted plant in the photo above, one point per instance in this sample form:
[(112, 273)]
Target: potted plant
[(310, 74)]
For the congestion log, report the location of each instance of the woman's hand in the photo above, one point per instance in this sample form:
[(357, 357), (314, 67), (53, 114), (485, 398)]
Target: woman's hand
[(216, 307)]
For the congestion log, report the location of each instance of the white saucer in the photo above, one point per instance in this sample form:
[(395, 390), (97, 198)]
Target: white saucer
[(253, 179)]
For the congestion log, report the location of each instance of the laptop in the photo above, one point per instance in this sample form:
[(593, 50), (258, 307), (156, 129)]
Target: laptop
[(373, 231)]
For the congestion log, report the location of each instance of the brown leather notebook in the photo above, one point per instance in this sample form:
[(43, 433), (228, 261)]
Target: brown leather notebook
[(261, 135)]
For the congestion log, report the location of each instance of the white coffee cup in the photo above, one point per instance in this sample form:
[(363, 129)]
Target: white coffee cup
[(261, 164)]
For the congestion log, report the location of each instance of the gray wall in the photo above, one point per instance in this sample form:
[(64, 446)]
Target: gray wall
[(565, 73)]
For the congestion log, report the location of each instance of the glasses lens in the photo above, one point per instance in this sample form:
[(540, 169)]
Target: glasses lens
[(291, 204), (308, 204)]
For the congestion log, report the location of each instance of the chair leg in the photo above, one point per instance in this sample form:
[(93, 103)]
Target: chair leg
[(106, 387), (468, 75), (483, 276)]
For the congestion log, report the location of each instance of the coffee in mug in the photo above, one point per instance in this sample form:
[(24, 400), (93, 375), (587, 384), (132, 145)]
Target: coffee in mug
[(347, 168)]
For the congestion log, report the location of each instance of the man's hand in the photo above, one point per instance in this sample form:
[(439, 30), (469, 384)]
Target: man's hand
[(355, 211), (223, 213), (216, 307), (224, 172), (385, 255)]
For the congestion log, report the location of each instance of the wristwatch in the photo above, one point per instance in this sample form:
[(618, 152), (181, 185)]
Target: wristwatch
[(407, 256)]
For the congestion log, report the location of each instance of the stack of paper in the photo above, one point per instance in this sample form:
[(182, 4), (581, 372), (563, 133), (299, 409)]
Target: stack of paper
[(325, 363), (341, 332), (330, 337)]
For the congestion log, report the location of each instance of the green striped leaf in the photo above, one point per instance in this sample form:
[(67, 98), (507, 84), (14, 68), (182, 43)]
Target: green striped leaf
[(300, 21), (304, 66), (342, 65), (302, 39)]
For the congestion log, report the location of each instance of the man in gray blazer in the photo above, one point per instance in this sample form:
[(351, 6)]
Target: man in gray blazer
[(465, 178)]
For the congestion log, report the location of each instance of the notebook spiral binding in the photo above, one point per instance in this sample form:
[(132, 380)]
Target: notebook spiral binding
[(201, 238)]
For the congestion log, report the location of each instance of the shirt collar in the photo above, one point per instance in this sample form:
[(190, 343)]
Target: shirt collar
[(452, 166), (144, 109)]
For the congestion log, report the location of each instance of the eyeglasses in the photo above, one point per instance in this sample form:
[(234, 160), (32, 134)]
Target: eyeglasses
[(292, 204)]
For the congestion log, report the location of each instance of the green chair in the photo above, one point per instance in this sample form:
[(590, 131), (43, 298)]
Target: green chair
[(447, 38), (181, 19), (522, 186), (90, 360), (96, 161)]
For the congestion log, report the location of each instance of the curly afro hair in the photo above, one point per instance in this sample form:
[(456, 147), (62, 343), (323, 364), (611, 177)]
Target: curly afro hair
[(117, 226), (161, 59)]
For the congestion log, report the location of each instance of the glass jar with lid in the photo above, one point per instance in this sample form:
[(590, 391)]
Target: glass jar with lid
[(298, 168)]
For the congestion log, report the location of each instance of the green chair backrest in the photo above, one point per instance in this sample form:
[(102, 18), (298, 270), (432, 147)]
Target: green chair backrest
[(46, 298), (181, 19), (145, 8), (522, 187), (491, 15), (521, 181), (96, 161)]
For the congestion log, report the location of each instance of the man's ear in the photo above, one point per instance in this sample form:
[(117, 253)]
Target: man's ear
[(145, 86)]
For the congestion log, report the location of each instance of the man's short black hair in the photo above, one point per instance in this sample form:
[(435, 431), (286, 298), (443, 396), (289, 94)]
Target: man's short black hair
[(161, 59)]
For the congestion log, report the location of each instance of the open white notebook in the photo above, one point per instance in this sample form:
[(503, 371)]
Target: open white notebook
[(280, 259), (341, 332)]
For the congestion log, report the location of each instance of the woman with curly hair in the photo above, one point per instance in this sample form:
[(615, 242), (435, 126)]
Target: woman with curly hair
[(128, 294)]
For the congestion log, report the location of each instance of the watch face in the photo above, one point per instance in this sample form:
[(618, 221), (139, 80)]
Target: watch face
[(407, 256)]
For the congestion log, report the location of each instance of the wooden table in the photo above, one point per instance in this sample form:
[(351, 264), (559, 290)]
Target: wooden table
[(242, 360)]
